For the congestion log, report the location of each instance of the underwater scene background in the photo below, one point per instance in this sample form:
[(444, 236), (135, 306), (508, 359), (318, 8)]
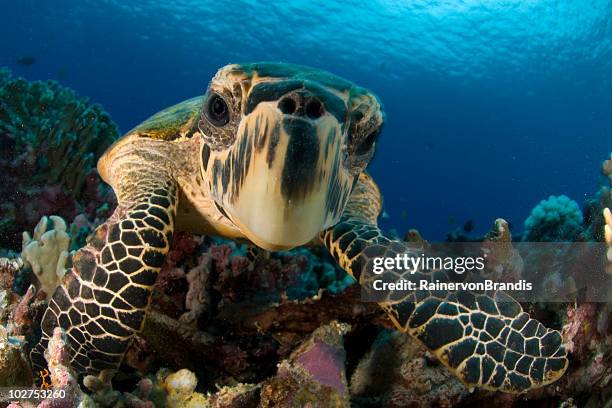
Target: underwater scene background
[(497, 131), (491, 106)]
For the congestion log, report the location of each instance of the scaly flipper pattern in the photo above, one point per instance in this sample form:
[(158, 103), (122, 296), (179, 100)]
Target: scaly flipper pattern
[(102, 300), (484, 338)]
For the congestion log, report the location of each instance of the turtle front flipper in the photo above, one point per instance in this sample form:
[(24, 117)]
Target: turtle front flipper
[(102, 300), (486, 341)]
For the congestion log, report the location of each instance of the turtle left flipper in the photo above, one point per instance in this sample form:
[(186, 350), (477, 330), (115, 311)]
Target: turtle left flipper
[(486, 341), (102, 300)]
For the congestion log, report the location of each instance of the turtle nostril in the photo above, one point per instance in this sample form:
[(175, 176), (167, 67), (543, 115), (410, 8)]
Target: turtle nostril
[(287, 105), (314, 109)]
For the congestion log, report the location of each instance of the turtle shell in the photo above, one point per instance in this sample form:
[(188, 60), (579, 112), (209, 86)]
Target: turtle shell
[(171, 123)]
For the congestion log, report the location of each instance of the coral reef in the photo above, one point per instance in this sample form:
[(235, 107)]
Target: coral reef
[(314, 374), (60, 373), (590, 344), (236, 332), (555, 219), (46, 252), (231, 333), (230, 326), (503, 260), (14, 367), (180, 387), (238, 396), (8, 270), (51, 139), (260, 304), (399, 372), (594, 209)]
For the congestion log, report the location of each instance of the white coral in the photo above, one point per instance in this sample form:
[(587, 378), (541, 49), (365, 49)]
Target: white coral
[(47, 251), (180, 387)]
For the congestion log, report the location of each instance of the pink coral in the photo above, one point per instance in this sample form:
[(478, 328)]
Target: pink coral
[(221, 256), (62, 375), (167, 276), (325, 363), (197, 298), (314, 374), (183, 244), (8, 269), (140, 397), (81, 221), (579, 329), (23, 313), (240, 264)]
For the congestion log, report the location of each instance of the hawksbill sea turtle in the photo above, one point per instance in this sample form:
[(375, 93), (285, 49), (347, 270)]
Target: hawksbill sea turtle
[(274, 154)]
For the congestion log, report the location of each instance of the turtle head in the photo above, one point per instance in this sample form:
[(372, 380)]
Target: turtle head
[(284, 146)]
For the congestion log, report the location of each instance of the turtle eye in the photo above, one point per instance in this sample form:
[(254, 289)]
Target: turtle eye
[(217, 110), (367, 143)]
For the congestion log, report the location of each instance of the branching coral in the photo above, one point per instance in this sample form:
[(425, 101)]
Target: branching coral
[(50, 140), (24, 313), (555, 219), (197, 300)]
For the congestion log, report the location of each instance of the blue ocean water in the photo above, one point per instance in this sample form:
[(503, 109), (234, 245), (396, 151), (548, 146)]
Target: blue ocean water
[(491, 105)]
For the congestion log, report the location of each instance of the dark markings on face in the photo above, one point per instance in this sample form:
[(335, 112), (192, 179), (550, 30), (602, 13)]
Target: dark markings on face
[(232, 171), (298, 177), (273, 91), (205, 155), (261, 135), (220, 172), (331, 138), (269, 91), (225, 176), (274, 139), (256, 135), (334, 189), (240, 160), (221, 210), (337, 193)]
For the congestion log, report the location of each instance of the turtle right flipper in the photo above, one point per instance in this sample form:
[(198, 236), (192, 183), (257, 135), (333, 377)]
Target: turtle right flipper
[(486, 341), (102, 300)]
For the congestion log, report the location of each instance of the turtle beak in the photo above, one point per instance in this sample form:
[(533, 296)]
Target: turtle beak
[(287, 181)]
